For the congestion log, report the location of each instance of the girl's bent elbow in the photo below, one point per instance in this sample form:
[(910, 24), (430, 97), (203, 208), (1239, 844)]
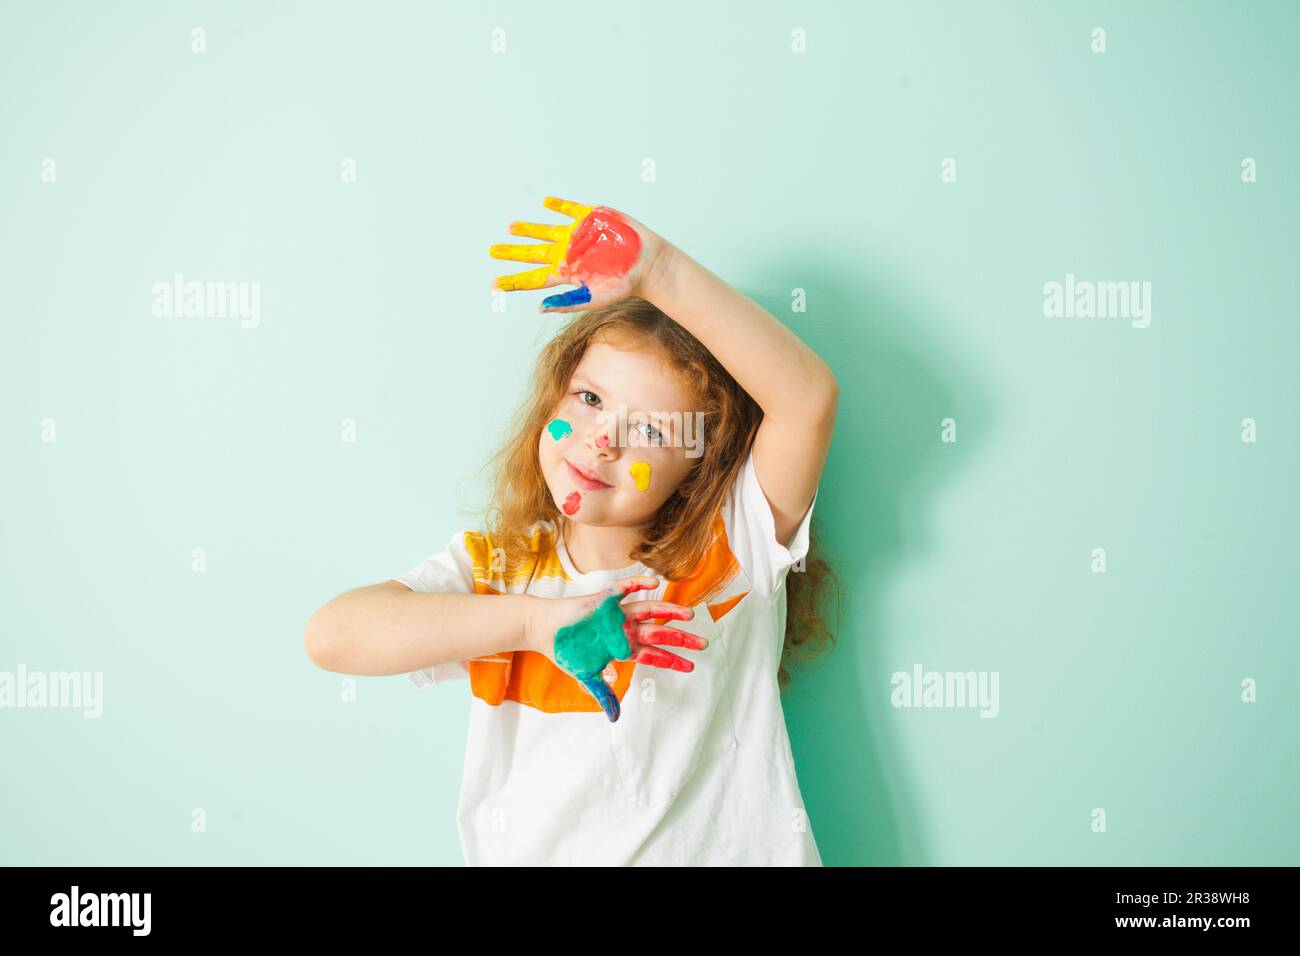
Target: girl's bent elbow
[(316, 641)]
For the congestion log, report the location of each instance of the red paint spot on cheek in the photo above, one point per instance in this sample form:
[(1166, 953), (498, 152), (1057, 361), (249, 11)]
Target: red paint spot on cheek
[(571, 503), (602, 441), (604, 244)]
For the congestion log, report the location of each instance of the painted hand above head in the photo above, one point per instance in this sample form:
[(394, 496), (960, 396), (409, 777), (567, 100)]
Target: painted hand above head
[(603, 252), (583, 635)]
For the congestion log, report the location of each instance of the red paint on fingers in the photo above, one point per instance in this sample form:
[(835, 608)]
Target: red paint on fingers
[(649, 613), (670, 636), (631, 585), (657, 658)]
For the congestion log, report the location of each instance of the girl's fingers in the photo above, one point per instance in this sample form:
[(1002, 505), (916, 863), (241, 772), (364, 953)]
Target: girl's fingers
[(535, 230), (517, 252), (566, 301), (604, 695), (532, 279), (567, 207), (658, 658), (642, 582), (669, 637), (645, 610)]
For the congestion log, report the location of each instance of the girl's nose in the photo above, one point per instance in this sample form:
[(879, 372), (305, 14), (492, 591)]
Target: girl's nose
[(601, 444)]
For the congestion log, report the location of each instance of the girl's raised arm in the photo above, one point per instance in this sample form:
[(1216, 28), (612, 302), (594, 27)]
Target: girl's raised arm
[(611, 256), (789, 381)]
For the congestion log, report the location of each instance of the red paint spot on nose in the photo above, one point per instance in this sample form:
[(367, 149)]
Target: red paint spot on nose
[(571, 503), (602, 441)]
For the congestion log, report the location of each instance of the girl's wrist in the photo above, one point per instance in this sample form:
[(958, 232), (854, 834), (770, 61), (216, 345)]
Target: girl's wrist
[(531, 625), (659, 272)]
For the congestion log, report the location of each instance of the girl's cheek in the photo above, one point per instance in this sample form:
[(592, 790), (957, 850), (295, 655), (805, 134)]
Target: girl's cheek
[(560, 427), (654, 472), (642, 473)]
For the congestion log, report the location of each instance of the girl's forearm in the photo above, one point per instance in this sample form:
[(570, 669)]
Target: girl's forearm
[(789, 380), (387, 628)]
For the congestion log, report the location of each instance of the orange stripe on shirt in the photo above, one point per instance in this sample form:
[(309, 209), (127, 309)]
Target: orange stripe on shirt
[(530, 678)]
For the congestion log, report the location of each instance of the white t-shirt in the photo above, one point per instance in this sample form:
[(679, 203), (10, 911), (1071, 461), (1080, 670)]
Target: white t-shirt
[(697, 770)]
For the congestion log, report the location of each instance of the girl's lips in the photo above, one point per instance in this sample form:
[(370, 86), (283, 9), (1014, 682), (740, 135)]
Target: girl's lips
[(585, 481)]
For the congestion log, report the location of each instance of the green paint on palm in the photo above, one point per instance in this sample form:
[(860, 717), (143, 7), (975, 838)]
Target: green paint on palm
[(584, 649)]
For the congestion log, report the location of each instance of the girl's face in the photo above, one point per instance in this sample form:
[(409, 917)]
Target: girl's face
[(617, 444)]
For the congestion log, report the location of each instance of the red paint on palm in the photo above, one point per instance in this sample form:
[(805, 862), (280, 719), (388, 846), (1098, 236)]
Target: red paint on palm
[(603, 244)]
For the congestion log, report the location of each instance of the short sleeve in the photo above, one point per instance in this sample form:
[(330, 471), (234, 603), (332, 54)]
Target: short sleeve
[(751, 532), (449, 571)]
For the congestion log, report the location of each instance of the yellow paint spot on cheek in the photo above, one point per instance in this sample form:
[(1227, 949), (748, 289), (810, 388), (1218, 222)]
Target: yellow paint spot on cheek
[(640, 472)]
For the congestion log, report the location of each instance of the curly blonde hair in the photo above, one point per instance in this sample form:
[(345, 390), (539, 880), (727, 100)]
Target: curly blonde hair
[(678, 535)]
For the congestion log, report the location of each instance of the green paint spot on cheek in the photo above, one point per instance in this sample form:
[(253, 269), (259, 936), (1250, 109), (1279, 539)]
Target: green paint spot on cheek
[(585, 648), (559, 428)]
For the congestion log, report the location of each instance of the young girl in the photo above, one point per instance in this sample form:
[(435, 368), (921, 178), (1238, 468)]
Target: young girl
[(663, 469)]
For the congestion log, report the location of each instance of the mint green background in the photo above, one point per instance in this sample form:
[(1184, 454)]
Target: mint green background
[(778, 171)]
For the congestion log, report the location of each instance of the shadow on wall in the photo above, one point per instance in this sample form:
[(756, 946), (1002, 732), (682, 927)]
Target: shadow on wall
[(886, 469)]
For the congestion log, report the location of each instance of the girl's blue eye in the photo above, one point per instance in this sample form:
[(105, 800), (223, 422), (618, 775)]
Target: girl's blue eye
[(582, 395), (657, 434)]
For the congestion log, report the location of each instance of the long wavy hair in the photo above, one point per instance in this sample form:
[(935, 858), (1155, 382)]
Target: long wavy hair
[(679, 533)]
